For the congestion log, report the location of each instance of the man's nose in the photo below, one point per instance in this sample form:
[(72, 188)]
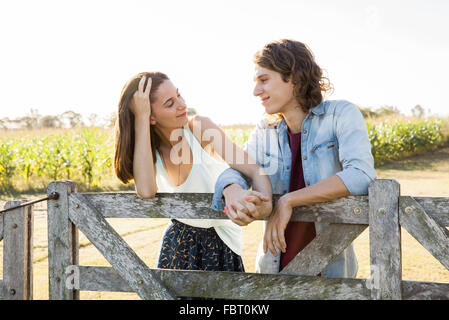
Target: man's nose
[(257, 90)]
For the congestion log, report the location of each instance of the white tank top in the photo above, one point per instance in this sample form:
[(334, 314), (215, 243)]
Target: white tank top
[(201, 179)]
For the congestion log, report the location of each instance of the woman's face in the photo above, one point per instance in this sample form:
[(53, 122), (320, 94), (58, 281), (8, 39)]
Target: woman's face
[(275, 94), (168, 109)]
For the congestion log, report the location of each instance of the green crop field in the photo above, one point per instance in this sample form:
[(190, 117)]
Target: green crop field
[(31, 159)]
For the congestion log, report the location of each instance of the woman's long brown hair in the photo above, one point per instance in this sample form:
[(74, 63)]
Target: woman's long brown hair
[(124, 126)]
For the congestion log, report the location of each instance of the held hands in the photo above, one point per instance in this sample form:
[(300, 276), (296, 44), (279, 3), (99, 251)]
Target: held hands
[(140, 103), (245, 206), (276, 225)]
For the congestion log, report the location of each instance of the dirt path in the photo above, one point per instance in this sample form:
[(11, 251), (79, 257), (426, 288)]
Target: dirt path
[(426, 175)]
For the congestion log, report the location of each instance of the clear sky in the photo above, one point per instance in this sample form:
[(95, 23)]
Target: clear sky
[(77, 55)]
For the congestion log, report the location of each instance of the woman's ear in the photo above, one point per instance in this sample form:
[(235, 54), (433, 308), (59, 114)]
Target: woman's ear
[(152, 120)]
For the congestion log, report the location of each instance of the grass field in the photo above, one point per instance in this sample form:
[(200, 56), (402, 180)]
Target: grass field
[(426, 175)]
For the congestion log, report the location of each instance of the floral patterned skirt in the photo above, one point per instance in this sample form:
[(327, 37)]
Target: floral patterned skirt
[(192, 248)]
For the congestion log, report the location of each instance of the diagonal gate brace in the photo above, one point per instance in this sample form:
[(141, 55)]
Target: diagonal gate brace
[(425, 229), (116, 251), (327, 245)]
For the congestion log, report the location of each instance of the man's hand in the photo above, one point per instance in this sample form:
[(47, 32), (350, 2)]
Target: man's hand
[(276, 225)]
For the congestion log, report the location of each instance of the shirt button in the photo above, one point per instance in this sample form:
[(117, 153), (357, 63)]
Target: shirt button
[(305, 157), (305, 131), (308, 183), (288, 167)]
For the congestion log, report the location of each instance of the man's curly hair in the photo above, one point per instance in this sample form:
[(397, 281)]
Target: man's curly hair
[(295, 62)]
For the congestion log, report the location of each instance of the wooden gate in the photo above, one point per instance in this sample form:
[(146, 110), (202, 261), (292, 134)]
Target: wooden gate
[(16, 228), (384, 211)]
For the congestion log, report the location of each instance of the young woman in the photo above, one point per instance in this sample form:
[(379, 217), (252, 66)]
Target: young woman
[(163, 151), (313, 151)]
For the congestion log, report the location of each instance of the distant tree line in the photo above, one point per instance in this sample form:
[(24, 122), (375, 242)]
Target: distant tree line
[(70, 119), (387, 111), (65, 120)]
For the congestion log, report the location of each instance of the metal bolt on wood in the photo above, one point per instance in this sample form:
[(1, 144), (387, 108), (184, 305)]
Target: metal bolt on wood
[(381, 211), (408, 210), (357, 210), (14, 226), (12, 291)]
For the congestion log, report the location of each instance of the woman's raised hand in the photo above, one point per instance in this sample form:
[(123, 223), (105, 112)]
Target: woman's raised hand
[(140, 103)]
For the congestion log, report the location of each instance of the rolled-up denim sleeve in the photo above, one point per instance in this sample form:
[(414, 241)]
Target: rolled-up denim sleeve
[(354, 150), (227, 177)]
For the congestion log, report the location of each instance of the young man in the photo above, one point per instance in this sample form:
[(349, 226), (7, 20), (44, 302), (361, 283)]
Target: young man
[(312, 150)]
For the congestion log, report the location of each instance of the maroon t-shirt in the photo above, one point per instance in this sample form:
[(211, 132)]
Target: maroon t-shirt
[(297, 234)]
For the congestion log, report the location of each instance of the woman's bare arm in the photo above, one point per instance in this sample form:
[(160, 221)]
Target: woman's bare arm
[(210, 134)]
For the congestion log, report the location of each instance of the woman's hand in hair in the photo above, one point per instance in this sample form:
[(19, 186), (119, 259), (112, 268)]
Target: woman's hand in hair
[(140, 103)]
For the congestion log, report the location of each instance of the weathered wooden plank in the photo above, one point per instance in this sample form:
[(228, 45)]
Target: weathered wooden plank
[(17, 252), (93, 278), (323, 249), (426, 230), (436, 207), (30, 251), (385, 240), (351, 209), (116, 251), (1, 227), (233, 285), (3, 295), (414, 290), (62, 242)]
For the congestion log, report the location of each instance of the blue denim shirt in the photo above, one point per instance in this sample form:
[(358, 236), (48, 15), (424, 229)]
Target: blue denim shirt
[(334, 141)]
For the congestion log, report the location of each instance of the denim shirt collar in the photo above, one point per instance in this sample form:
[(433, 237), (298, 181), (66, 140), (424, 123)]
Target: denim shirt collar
[(281, 126), (319, 109)]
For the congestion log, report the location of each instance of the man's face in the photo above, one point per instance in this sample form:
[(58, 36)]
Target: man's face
[(275, 94)]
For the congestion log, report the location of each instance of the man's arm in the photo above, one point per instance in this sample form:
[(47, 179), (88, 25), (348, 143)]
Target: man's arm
[(354, 150)]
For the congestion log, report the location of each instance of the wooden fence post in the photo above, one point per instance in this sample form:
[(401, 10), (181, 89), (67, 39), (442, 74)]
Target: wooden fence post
[(18, 252), (63, 248), (385, 240)]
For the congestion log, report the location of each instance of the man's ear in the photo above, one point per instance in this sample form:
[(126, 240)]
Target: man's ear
[(292, 80)]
